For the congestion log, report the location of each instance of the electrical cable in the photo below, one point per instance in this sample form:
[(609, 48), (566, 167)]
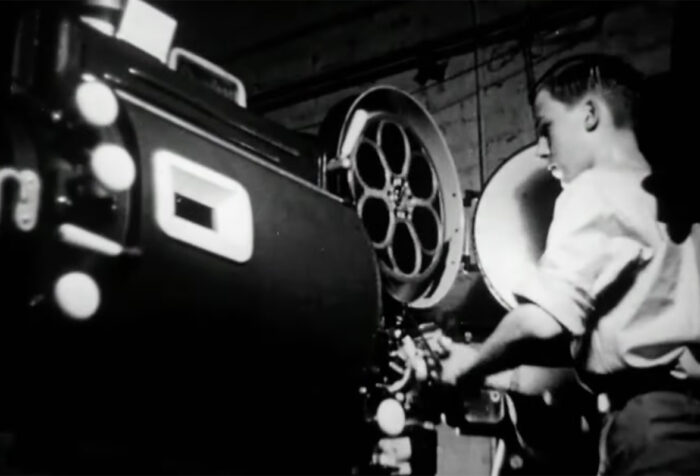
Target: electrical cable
[(479, 121)]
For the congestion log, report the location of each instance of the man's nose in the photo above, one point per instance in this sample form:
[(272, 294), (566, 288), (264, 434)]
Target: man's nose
[(542, 150)]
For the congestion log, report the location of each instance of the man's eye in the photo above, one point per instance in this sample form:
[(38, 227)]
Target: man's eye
[(544, 131)]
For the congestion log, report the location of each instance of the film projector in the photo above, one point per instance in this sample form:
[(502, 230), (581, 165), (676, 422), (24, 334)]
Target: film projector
[(189, 287)]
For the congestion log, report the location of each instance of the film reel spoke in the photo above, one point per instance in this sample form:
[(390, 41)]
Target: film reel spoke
[(369, 167), (421, 178), (393, 142), (428, 227)]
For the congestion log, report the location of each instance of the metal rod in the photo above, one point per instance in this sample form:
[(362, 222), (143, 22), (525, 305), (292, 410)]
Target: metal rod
[(479, 122)]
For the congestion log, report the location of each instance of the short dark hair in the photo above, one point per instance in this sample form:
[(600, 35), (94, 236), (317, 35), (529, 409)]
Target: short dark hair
[(569, 80)]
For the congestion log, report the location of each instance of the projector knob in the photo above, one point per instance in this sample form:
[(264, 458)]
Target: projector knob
[(77, 295), (96, 103), (113, 167), (391, 417)]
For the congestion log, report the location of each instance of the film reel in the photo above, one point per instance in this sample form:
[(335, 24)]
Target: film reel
[(397, 170)]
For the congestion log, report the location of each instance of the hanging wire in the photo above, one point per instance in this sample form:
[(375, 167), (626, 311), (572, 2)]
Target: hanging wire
[(526, 47), (461, 73), (566, 44), (479, 121)]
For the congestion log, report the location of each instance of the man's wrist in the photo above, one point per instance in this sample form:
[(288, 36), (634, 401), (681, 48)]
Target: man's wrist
[(504, 380)]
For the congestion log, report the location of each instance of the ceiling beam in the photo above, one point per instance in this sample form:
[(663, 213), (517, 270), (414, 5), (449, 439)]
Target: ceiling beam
[(547, 16)]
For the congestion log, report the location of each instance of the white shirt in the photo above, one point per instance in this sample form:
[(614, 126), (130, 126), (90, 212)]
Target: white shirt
[(611, 275)]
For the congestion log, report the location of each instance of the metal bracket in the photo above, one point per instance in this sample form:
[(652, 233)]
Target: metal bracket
[(27, 204), (177, 53)]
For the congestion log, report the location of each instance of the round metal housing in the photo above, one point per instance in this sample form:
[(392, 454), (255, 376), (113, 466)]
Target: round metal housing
[(511, 222), (403, 183)]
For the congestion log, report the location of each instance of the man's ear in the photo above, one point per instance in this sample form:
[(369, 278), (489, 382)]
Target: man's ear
[(592, 115)]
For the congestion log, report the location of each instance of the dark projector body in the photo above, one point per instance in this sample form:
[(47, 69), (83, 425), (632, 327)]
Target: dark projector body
[(193, 361)]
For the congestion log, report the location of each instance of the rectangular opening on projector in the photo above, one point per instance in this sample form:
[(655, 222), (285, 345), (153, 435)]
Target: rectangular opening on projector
[(194, 211), (202, 206)]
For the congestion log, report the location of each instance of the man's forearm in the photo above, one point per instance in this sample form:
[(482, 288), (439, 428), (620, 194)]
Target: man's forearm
[(526, 335)]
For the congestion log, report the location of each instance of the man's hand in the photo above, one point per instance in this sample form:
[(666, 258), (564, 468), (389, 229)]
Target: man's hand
[(458, 361), (394, 455)]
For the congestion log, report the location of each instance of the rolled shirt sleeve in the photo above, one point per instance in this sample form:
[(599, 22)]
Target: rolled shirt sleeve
[(589, 248)]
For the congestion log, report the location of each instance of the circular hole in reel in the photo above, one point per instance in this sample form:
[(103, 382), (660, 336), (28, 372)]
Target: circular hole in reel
[(421, 178), (406, 251), (376, 219), (370, 169), (427, 225), (393, 142)]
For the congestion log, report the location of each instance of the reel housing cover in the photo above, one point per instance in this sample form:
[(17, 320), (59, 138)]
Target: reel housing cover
[(511, 221)]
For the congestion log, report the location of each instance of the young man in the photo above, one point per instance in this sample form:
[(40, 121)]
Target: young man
[(612, 290)]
